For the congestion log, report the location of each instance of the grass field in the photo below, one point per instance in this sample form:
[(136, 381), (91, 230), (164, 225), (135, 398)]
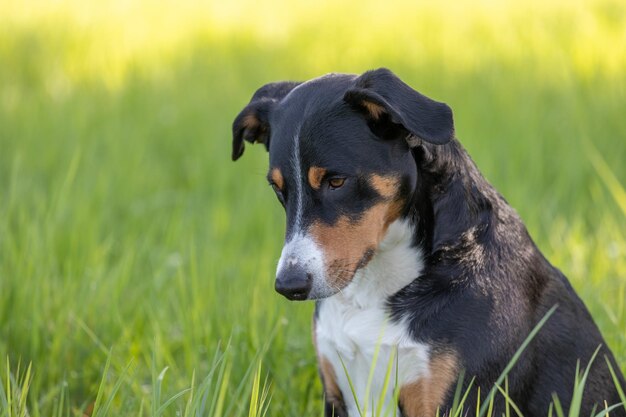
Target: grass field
[(131, 244)]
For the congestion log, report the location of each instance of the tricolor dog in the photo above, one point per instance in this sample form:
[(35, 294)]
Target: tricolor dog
[(411, 255)]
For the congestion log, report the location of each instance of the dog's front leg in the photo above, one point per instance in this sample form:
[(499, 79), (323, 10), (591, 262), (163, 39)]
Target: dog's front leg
[(334, 408), (334, 405)]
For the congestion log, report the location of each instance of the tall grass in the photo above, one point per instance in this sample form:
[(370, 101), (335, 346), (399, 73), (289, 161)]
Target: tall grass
[(130, 244)]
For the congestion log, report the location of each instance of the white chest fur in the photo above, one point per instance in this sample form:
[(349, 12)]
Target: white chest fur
[(353, 326)]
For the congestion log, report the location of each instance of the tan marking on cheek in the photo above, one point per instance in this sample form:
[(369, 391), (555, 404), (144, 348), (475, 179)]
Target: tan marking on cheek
[(316, 174), (422, 397), (373, 109), (386, 186), (348, 245), (277, 178)]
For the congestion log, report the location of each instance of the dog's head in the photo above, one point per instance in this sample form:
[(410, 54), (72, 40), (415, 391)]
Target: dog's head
[(342, 167)]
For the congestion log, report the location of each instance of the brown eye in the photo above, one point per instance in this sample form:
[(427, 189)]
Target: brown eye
[(335, 183)]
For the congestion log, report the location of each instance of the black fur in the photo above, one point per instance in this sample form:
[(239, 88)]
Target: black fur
[(485, 284), (485, 287)]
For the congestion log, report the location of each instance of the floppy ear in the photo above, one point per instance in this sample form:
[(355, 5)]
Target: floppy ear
[(381, 95), (252, 123)]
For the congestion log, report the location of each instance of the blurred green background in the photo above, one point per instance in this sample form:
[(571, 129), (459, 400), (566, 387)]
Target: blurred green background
[(129, 238)]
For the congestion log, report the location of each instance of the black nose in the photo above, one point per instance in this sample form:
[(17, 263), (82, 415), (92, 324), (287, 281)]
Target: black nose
[(294, 283)]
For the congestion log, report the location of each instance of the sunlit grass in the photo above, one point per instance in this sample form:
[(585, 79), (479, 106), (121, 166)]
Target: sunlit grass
[(128, 238), (560, 39)]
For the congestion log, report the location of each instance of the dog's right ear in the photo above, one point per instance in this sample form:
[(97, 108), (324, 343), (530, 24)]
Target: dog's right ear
[(380, 94), (252, 124)]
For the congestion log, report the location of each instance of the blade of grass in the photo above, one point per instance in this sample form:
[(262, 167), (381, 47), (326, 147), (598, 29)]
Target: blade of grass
[(616, 382), (265, 397), (356, 400), (107, 405), (61, 400), (224, 377), (516, 356), (4, 403), (9, 389), (199, 403), (140, 413), (4, 406), (386, 381), (557, 406), (257, 357), (173, 398), (457, 393), (370, 377), (510, 403), (259, 395), (192, 398), (24, 387), (607, 410), (105, 373), (507, 406), (490, 409), (607, 176), (254, 394), (396, 387), (579, 386), (156, 389), (460, 405)]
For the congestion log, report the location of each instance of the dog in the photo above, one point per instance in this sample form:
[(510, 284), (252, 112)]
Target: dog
[(413, 258)]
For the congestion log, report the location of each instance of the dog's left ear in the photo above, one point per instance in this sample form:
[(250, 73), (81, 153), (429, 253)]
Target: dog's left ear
[(252, 123), (381, 94)]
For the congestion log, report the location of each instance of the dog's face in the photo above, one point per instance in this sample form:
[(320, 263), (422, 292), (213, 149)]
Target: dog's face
[(342, 167)]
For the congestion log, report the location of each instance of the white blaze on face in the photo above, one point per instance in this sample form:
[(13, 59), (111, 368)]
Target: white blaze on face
[(296, 165), (301, 250)]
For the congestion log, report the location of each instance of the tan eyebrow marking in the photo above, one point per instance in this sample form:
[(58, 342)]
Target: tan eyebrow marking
[(316, 174), (277, 177), (386, 186)]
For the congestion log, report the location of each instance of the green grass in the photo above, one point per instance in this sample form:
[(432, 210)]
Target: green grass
[(131, 244)]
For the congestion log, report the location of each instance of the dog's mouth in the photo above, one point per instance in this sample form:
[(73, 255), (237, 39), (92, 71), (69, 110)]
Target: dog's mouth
[(297, 296), (304, 295), (307, 286)]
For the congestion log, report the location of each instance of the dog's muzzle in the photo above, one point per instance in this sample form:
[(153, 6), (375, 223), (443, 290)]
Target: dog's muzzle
[(300, 272)]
